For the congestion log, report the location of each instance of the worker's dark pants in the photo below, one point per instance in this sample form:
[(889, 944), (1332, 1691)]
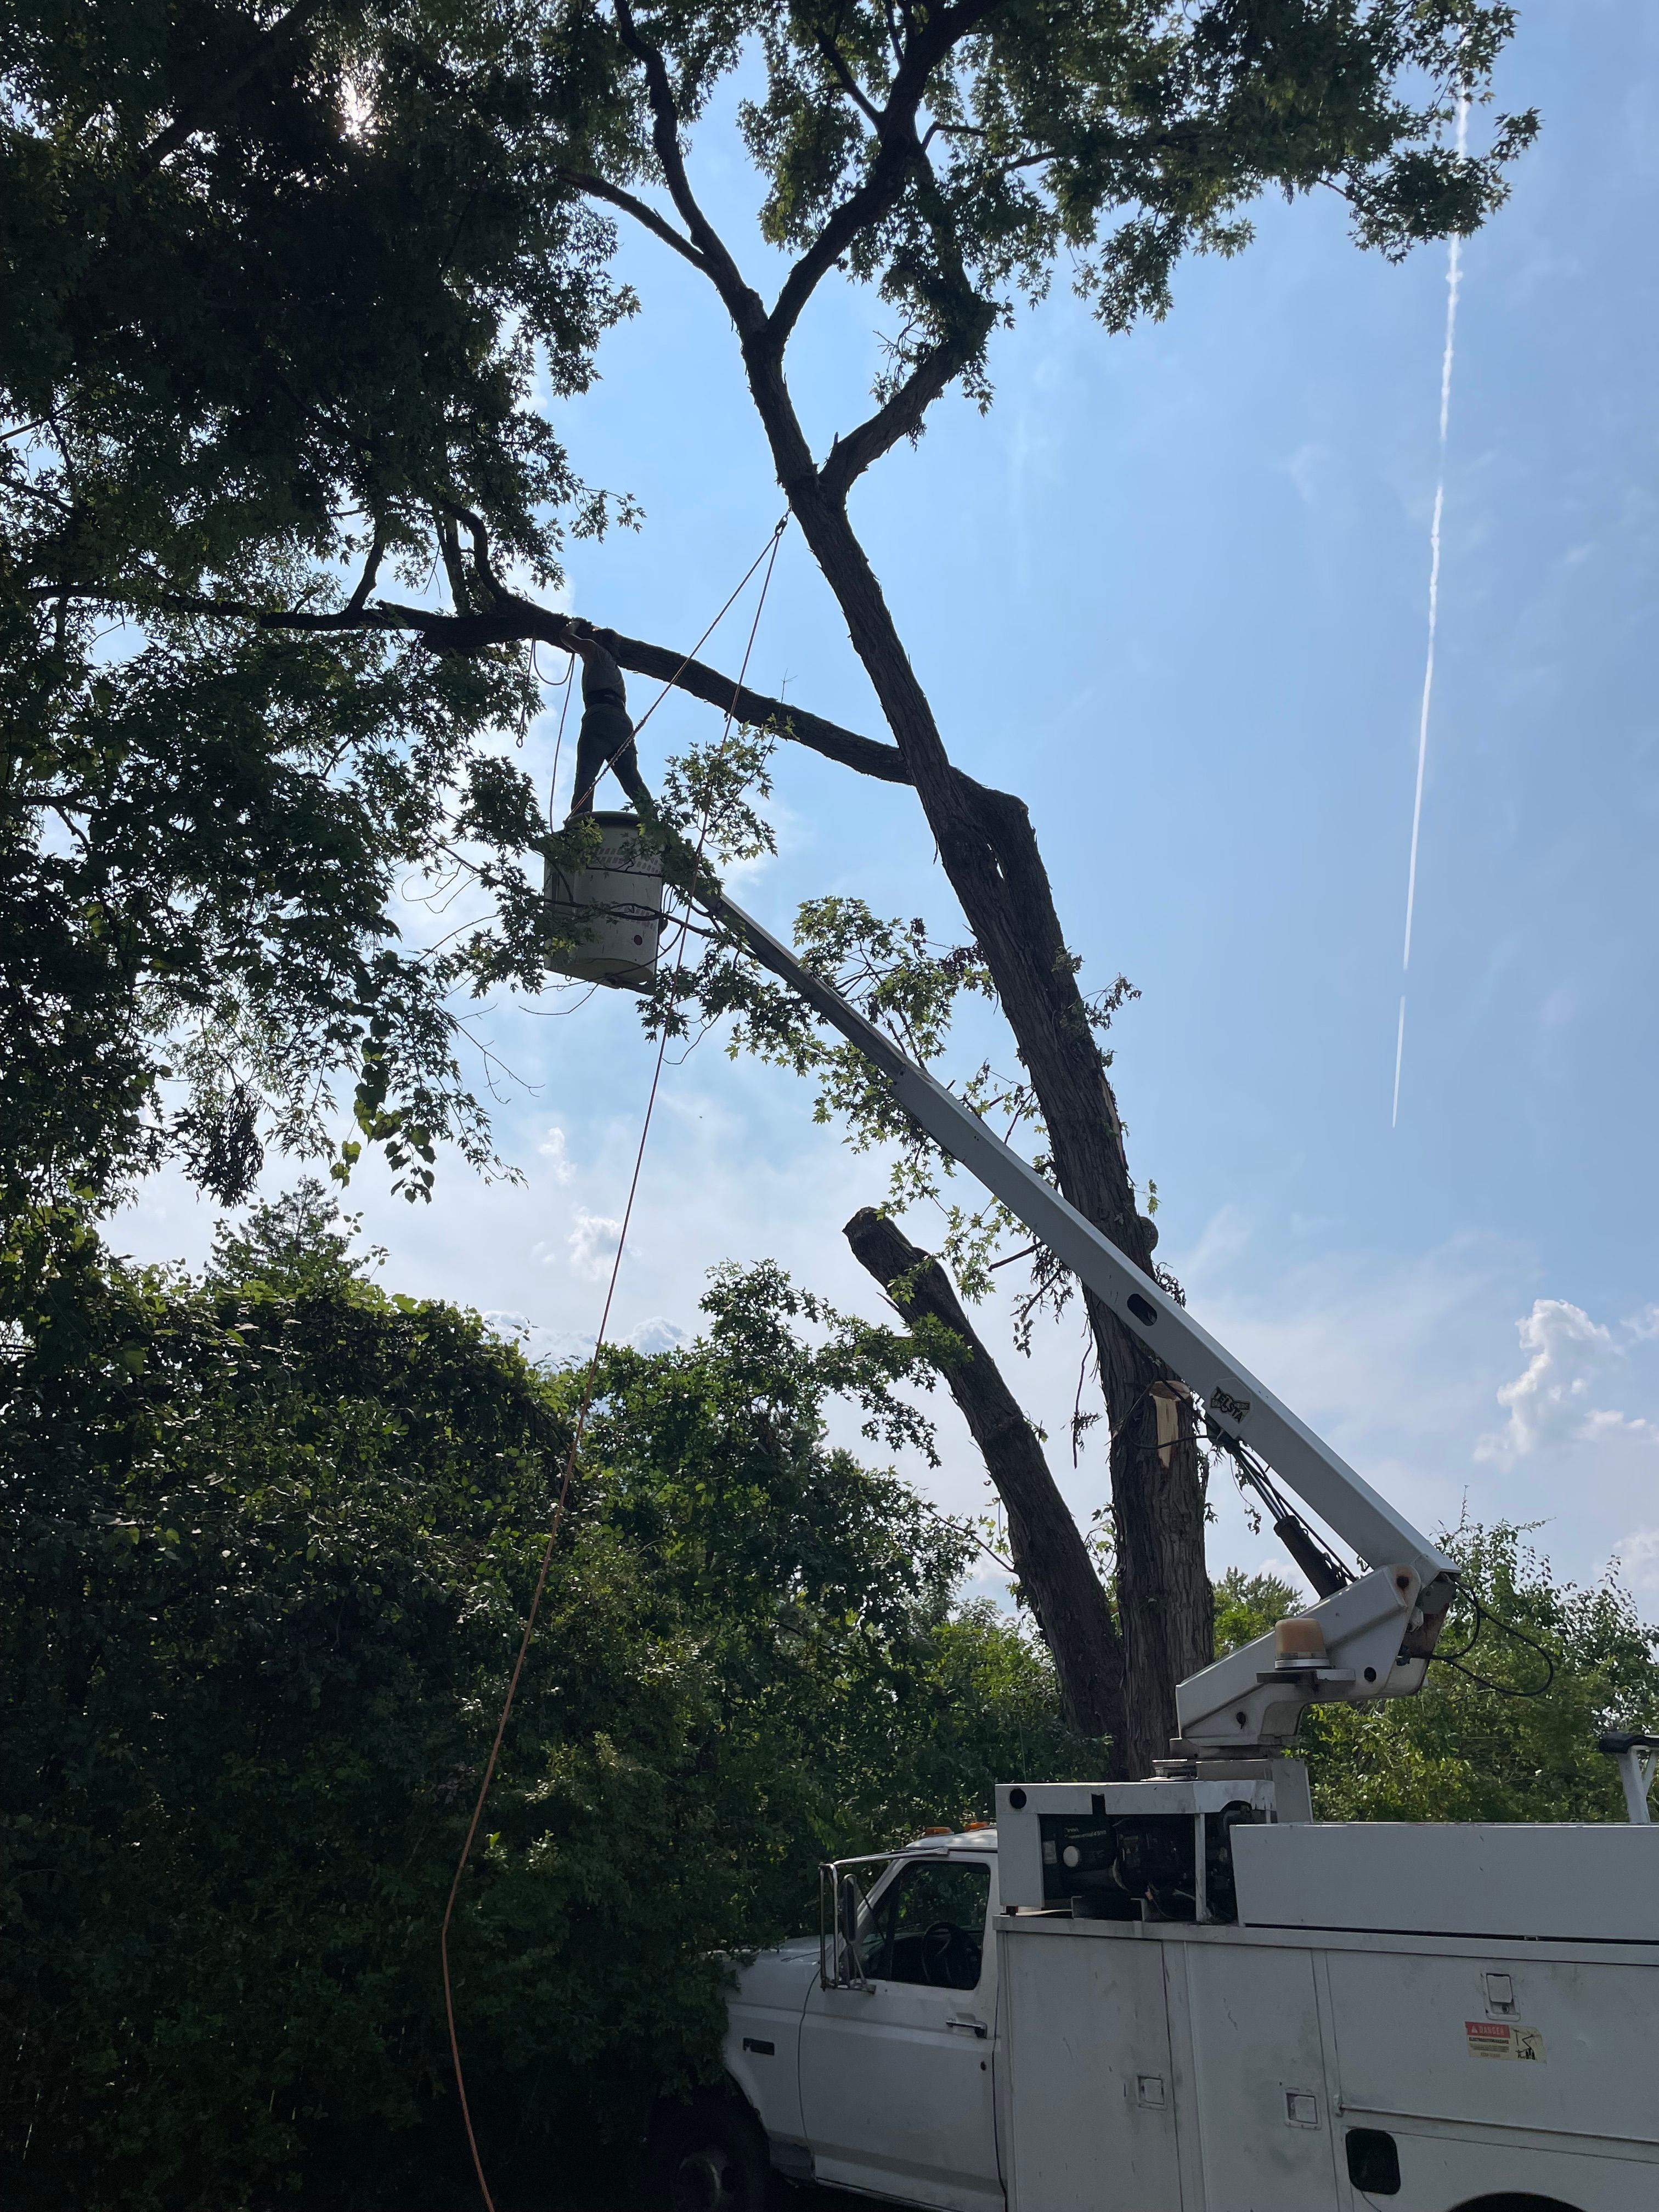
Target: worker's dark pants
[(606, 741)]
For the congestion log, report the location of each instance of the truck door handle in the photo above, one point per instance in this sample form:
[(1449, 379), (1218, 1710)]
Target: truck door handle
[(973, 2027)]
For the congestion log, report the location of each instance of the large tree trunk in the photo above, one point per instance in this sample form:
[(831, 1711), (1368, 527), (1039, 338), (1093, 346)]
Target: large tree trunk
[(990, 855), (1050, 1558)]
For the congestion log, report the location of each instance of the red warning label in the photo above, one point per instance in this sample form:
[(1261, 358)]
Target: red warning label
[(1503, 2039)]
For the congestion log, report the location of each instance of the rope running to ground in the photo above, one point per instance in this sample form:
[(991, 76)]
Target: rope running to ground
[(582, 1416)]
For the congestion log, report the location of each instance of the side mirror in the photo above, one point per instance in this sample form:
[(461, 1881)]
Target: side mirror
[(848, 1914), (846, 1921)]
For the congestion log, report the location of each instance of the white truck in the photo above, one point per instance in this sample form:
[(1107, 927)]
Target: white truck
[(1185, 1994)]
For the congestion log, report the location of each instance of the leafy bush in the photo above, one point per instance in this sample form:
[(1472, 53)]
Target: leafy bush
[(267, 1544)]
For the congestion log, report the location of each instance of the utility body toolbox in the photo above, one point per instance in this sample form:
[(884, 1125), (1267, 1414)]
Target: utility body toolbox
[(1186, 1996)]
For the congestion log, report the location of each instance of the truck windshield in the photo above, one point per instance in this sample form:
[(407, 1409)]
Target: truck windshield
[(928, 1925)]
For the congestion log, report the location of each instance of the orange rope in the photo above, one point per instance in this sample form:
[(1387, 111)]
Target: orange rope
[(587, 1401)]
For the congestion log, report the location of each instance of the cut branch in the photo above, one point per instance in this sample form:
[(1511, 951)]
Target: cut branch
[(1052, 1561)]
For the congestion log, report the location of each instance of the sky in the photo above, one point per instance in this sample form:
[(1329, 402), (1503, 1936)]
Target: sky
[(1173, 589)]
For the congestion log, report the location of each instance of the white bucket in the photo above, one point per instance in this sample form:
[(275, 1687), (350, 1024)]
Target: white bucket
[(613, 907)]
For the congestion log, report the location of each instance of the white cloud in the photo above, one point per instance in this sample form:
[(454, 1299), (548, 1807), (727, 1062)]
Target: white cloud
[(657, 1334), (552, 1150), (1553, 1402), (1401, 1360), (1638, 1559), (538, 1342), (593, 1243)]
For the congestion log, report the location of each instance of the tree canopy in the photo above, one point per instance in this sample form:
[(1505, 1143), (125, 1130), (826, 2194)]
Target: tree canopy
[(245, 338), (285, 299)]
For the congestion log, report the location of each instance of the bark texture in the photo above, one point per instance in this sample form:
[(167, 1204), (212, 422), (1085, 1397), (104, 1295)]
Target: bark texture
[(1056, 1574)]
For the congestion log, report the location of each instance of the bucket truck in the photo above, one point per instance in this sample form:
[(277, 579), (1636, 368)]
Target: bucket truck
[(1184, 1994)]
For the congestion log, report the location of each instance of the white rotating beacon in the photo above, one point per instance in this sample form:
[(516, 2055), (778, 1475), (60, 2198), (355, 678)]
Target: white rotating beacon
[(1369, 1635)]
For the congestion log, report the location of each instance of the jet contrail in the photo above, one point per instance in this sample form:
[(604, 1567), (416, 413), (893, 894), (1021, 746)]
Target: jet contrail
[(1454, 281)]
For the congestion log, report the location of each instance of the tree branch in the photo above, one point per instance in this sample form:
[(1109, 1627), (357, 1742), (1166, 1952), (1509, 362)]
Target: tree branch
[(169, 142), (642, 212), (902, 415), (844, 77), (483, 570), (1050, 1556), (898, 148), (359, 597), (742, 303), (449, 544), (1001, 817)]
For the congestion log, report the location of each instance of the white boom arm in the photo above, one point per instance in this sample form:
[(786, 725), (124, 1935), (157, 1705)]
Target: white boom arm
[(1374, 1637)]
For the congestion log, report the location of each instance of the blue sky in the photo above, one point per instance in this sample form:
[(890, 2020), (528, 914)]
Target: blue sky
[(1173, 589)]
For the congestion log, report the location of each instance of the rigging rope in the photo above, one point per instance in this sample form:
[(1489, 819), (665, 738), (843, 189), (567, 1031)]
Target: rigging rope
[(558, 742), (769, 553), (591, 1382)]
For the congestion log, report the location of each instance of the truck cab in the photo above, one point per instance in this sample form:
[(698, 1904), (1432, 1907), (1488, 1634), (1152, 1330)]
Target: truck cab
[(869, 2052)]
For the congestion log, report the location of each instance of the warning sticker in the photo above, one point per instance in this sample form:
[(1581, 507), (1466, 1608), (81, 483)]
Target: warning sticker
[(1502, 2038)]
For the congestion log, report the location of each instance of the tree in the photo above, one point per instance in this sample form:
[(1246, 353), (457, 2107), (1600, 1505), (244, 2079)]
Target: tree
[(951, 157), (243, 339), (292, 1243), (264, 1550), (1249, 1606)]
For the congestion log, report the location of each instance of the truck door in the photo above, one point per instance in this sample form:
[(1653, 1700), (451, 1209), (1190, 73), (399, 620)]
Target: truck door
[(896, 2079)]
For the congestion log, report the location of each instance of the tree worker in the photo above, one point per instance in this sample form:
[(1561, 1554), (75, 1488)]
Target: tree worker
[(607, 734)]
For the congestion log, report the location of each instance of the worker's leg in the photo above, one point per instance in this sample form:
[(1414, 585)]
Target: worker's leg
[(606, 741)]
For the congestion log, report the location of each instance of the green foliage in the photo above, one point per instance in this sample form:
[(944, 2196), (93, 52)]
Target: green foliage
[(951, 158), (273, 307), (1249, 1606), (1463, 1752), (293, 1242), (910, 984), (265, 1549)]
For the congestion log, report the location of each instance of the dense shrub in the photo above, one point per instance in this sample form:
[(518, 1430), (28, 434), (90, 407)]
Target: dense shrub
[(267, 1543)]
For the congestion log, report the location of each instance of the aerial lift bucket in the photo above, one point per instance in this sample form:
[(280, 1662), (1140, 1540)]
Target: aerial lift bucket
[(613, 908)]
